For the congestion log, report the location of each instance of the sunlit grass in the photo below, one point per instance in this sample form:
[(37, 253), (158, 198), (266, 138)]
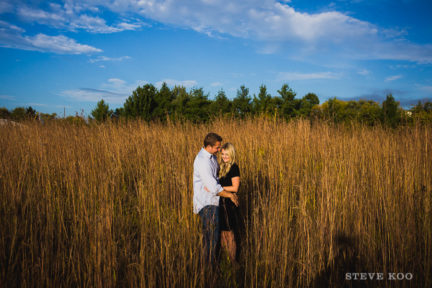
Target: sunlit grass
[(111, 205)]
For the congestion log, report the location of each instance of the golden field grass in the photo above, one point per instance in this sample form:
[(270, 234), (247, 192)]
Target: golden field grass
[(111, 205)]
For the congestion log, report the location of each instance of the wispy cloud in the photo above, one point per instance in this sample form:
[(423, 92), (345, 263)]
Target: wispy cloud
[(292, 76), (363, 72), (75, 17), (393, 78), (59, 44), (93, 95), (216, 84), (7, 97), (109, 59), (11, 36), (113, 91)]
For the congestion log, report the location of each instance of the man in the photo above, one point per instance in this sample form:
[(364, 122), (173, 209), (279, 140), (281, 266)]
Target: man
[(207, 191)]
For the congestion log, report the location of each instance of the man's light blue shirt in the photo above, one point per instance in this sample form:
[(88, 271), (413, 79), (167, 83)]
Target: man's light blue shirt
[(205, 174)]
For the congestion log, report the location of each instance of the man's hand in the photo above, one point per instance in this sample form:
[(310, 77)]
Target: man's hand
[(232, 196), (234, 199)]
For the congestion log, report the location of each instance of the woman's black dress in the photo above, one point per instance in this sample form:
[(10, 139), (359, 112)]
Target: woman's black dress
[(228, 211)]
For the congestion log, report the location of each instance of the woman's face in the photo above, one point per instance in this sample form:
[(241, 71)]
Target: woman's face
[(225, 156)]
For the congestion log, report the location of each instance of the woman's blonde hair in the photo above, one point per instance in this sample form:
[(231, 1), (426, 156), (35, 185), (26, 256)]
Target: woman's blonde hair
[(225, 167)]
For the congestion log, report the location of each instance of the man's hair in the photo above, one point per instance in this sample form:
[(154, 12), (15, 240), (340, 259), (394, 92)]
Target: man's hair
[(211, 139)]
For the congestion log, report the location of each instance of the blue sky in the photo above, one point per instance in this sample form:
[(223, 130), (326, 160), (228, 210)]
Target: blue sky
[(67, 55)]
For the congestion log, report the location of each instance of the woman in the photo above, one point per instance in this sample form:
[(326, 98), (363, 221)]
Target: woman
[(229, 179)]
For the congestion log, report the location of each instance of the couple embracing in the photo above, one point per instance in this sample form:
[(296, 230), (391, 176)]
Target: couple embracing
[(215, 183)]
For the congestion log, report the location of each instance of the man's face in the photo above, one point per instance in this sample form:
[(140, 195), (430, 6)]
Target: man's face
[(215, 149)]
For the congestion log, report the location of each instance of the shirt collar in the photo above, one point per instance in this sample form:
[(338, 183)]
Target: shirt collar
[(209, 155)]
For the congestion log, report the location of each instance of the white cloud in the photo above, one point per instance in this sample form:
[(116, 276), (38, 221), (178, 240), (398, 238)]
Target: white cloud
[(172, 82), (113, 91), (5, 26), (38, 15), (59, 44), (7, 97), (37, 104), (94, 95), (69, 17), (393, 78), (363, 72), (120, 86), (11, 36), (292, 76), (109, 59), (216, 84)]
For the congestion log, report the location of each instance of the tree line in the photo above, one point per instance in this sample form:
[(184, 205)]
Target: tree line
[(152, 104)]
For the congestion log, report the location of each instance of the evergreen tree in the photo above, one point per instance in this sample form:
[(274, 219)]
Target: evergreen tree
[(164, 98), (288, 105), (180, 101), (221, 105), (101, 112), (263, 103), (198, 108), (307, 102), (390, 111), (141, 103), (242, 102)]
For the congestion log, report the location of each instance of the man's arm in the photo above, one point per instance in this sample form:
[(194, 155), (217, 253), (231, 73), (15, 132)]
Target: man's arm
[(232, 196), (211, 184), (207, 179)]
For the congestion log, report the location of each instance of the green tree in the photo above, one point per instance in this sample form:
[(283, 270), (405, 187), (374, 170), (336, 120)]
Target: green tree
[(19, 114), (101, 112), (422, 112), (369, 112), (306, 104), (180, 101), (221, 105), (141, 103), (335, 110), (164, 106), (288, 105), (198, 108), (47, 117), (4, 113), (390, 111), (263, 103), (30, 113), (242, 102)]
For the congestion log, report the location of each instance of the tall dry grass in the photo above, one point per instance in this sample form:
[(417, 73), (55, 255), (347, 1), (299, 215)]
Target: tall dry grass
[(111, 205)]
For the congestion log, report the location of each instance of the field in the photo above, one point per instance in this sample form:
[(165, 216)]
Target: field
[(111, 205)]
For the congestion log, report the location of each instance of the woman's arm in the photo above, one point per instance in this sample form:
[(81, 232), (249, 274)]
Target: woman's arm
[(235, 185)]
